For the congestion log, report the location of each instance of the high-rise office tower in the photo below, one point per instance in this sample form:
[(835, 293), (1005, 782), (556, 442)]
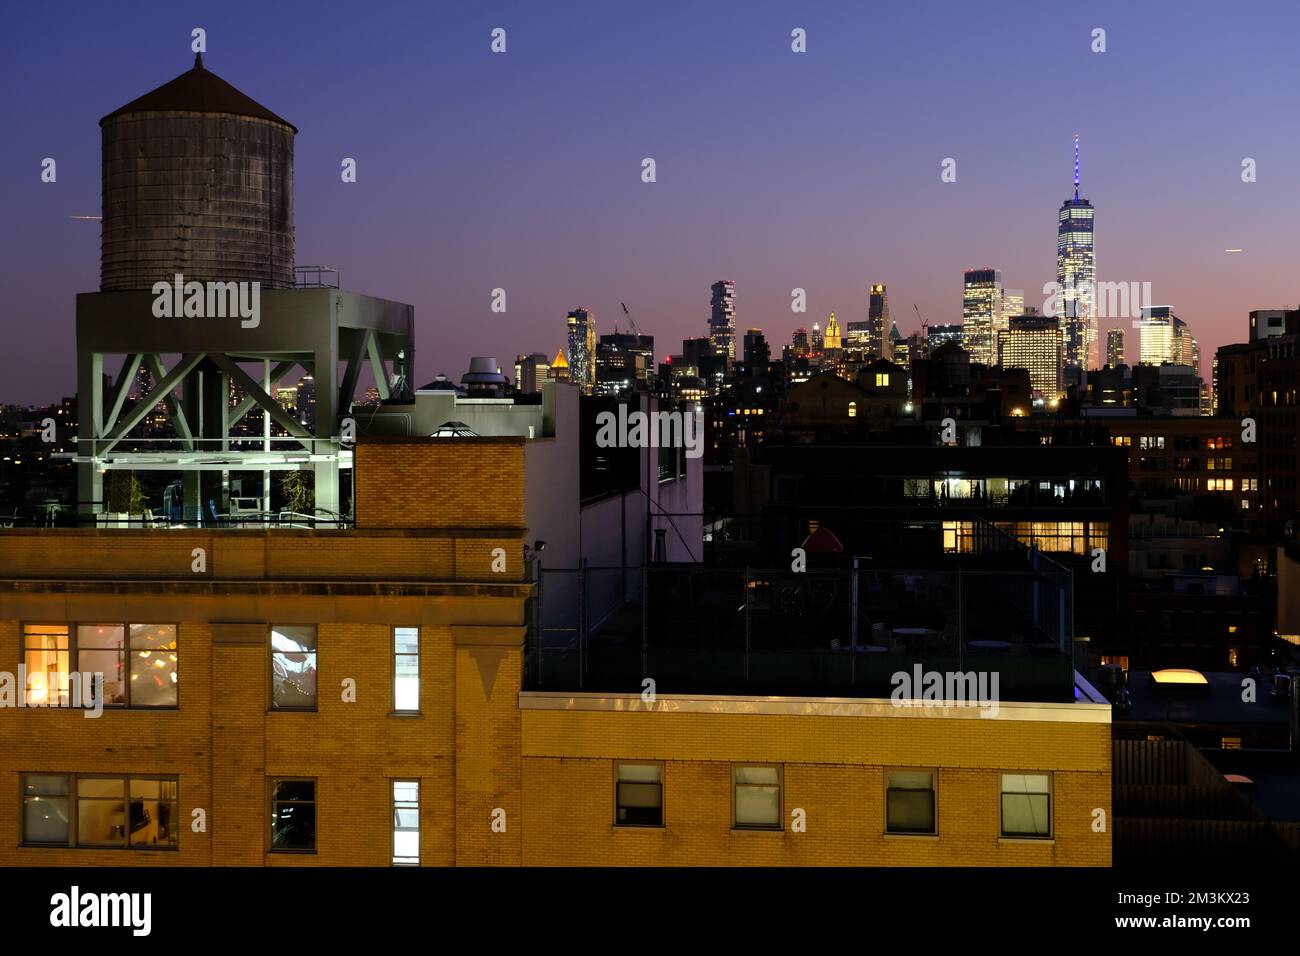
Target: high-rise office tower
[(817, 339), (531, 371), (857, 336), (1166, 338), (1115, 348), (877, 320), (1033, 342), (757, 352), (981, 313), (582, 349), (1076, 268), (722, 319), (1013, 307)]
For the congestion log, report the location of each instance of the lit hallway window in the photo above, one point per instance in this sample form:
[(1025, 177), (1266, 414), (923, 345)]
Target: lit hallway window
[(406, 823), (756, 798), (406, 669)]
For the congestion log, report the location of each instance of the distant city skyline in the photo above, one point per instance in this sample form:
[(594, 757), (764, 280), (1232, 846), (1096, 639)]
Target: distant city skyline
[(828, 178)]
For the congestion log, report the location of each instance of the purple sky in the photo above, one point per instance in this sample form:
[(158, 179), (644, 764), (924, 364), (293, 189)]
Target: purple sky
[(775, 169)]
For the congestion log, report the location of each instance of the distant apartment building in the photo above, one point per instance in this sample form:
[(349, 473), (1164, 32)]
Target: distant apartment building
[(582, 349), (722, 319)]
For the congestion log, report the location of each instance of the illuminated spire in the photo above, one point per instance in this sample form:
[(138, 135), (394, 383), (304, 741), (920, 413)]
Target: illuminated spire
[(1076, 166)]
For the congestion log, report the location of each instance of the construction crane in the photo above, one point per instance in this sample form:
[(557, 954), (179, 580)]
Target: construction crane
[(925, 328), (632, 322)]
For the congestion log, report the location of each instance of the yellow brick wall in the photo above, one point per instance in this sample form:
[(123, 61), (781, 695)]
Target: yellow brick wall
[(388, 497), (833, 770), (224, 745)]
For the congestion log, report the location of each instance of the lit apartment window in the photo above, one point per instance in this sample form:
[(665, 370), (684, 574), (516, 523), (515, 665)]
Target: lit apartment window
[(137, 813), (1026, 805), (853, 409), (757, 798), (882, 380), (406, 669), (1231, 743), (138, 661), (293, 667), (638, 795), (293, 816), (909, 801), (406, 823)]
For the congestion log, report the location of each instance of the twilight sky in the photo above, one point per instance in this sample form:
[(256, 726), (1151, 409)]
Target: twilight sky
[(775, 169)]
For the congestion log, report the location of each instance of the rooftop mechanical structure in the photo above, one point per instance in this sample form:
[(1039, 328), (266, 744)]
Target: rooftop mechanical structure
[(198, 188)]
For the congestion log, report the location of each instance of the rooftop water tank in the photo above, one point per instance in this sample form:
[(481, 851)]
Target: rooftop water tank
[(197, 180)]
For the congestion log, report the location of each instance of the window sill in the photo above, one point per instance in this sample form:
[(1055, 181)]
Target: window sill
[(768, 830), (1046, 841), (637, 826), (406, 713), (931, 837)]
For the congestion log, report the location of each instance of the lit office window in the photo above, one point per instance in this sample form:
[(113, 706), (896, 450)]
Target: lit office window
[(141, 673), (1026, 805), (47, 809), (293, 667), (406, 823), (155, 818), (138, 813), (293, 816), (153, 666), (406, 668), (48, 660), (757, 798), (101, 649), (101, 811), (639, 795), (909, 801)]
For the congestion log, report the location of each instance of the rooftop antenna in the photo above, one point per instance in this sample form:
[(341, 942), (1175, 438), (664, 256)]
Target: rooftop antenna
[(1076, 167)]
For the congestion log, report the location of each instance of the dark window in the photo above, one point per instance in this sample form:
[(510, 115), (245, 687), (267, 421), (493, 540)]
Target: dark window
[(909, 801), (293, 816), (1026, 805), (639, 795)]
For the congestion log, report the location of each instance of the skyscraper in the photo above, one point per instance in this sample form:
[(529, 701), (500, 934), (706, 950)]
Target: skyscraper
[(1033, 342), (1115, 348), (877, 320), (722, 319), (582, 349), (1076, 268), (982, 312), (1167, 339), (831, 340)]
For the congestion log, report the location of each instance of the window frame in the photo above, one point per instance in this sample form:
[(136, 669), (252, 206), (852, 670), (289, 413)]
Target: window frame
[(934, 801), (74, 811), (419, 652), (74, 661), (271, 705), (1051, 805), (663, 809), (392, 796), (779, 826), (271, 781)]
